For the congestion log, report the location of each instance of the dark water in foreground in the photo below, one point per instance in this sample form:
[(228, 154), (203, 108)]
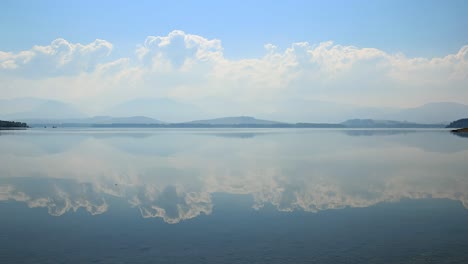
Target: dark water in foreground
[(233, 196)]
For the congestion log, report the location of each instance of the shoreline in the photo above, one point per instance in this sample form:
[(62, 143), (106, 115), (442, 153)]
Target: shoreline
[(13, 128), (460, 130)]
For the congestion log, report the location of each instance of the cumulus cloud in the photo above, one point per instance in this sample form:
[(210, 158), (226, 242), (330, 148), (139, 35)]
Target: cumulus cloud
[(59, 58), (191, 67), (178, 49)]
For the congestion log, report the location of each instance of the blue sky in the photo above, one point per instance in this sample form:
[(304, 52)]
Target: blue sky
[(416, 28), (243, 56)]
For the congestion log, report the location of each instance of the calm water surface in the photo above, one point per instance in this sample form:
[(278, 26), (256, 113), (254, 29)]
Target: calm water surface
[(233, 196)]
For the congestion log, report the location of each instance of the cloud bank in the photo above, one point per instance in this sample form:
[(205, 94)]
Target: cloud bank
[(194, 69)]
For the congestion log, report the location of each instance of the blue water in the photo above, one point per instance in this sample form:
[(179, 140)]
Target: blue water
[(233, 196)]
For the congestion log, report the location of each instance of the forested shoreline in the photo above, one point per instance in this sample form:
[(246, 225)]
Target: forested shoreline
[(12, 125)]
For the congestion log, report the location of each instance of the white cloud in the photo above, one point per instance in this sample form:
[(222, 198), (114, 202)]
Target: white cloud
[(59, 58), (191, 67), (178, 51)]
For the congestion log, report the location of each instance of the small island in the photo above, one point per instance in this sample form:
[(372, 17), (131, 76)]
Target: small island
[(460, 130), (8, 125)]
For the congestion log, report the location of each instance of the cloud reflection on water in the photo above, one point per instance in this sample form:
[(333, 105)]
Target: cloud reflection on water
[(173, 175)]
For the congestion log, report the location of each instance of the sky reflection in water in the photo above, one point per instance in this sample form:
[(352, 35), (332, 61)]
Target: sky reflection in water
[(173, 174), (233, 196)]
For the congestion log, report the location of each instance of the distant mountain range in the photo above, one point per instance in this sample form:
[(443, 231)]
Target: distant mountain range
[(236, 120), (441, 112), (121, 120), (163, 110), (320, 111), (370, 123), (94, 120), (141, 121), (160, 108), (35, 108)]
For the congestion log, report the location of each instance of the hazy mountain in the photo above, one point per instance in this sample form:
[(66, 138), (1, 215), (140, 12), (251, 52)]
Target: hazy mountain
[(371, 123), (161, 108), (302, 110), (235, 120), (440, 112), (121, 120), (35, 108), (171, 111), (18, 105), (96, 120)]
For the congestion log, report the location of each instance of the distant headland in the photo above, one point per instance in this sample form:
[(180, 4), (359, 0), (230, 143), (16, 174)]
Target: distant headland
[(8, 125), (460, 123), (460, 127)]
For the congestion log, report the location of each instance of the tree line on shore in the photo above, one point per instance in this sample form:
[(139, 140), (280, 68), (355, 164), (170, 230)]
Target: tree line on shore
[(12, 124)]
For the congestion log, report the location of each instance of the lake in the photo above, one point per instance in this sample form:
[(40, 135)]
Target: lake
[(233, 196)]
